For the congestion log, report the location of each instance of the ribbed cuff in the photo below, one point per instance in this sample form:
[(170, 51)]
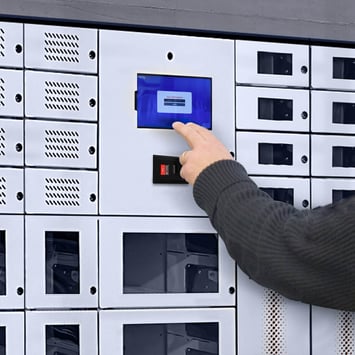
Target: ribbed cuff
[(213, 180)]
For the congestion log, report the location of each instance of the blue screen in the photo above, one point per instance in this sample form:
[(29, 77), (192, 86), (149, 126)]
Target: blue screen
[(162, 100)]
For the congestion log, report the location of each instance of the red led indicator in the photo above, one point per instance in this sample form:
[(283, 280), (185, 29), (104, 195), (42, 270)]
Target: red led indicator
[(164, 169)]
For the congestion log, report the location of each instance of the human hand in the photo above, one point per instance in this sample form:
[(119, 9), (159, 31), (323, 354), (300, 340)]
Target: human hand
[(205, 150)]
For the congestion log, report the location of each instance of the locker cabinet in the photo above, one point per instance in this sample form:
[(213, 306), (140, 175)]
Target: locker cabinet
[(11, 93), (273, 154), (166, 332), (61, 144), (60, 96), (12, 333), (272, 64), (11, 44), (333, 155), (333, 68), (59, 48), (61, 262), (126, 133), (333, 112), (11, 142), (61, 191), (11, 190), (61, 332), (163, 262), (272, 109)]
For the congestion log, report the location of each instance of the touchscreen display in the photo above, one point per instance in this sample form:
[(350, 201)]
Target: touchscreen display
[(163, 99)]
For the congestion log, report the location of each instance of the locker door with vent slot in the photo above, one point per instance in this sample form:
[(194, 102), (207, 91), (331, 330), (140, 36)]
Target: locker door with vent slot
[(12, 333), (61, 96), (11, 142), (61, 332), (67, 145), (11, 262), (11, 190), (11, 44), (163, 262), (61, 48), (168, 331), (11, 93), (60, 191), (61, 262)]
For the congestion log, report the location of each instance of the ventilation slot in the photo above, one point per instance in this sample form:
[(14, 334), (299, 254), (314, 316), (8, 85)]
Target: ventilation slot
[(345, 333), (62, 192), (2, 142), (274, 323), (62, 96), (2, 42), (2, 92), (61, 144), (2, 191), (60, 47)]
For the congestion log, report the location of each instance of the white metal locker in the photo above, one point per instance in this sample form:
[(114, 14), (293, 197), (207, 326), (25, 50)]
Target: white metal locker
[(333, 155), (333, 112), (11, 190), (12, 262), (273, 153), (333, 68), (168, 331), (61, 262), (272, 64), (12, 333), (163, 262), (60, 191), (124, 140), (60, 144), (295, 191), (11, 93), (60, 48), (272, 109), (61, 332), (11, 44), (61, 96), (11, 142)]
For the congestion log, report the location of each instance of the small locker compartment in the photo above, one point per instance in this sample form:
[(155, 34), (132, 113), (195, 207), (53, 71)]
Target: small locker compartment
[(12, 333), (294, 191), (61, 144), (168, 332), (11, 93), (273, 153), (140, 98), (11, 44), (333, 331), (163, 262), (333, 68), (333, 155), (61, 332), (61, 48), (11, 262), (11, 190), (325, 191), (333, 112), (268, 322), (11, 142), (61, 262), (272, 64), (52, 191), (272, 109), (61, 96)]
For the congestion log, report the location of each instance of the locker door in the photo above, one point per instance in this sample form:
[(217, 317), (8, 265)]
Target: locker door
[(12, 333), (333, 68), (333, 112), (273, 154), (11, 190), (11, 44), (163, 262), (61, 332), (11, 93), (272, 109), (61, 262), (168, 332), (11, 142), (272, 64)]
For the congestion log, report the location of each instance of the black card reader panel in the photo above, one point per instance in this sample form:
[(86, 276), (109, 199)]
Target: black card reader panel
[(166, 170)]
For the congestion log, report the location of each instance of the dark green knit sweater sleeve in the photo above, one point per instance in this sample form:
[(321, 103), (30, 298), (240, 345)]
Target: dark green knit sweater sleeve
[(303, 255)]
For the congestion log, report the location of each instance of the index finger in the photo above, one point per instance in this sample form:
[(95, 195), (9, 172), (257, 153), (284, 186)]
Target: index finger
[(187, 132)]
